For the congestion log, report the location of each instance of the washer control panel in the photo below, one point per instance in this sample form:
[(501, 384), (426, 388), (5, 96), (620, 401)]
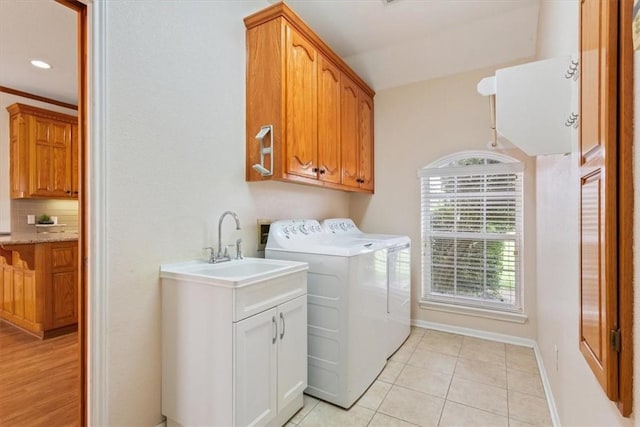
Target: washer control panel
[(296, 229), (340, 226)]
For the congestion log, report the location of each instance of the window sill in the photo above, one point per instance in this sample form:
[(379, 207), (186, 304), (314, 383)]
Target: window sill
[(475, 312)]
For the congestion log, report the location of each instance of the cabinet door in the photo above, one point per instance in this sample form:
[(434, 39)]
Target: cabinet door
[(64, 285), (51, 158), (598, 191), (255, 369), (328, 121), (40, 135), (292, 350), (365, 140), (61, 160), (349, 132), (301, 113)]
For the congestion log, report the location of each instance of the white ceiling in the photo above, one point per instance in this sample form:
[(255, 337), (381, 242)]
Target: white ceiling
[(413, 40), (38, 29), (387, 44)]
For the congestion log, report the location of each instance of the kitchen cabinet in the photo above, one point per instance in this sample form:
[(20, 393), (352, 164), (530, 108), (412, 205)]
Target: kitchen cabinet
[(295, 85), (271, 366), (234, 355), (42, 153), (39, 287)]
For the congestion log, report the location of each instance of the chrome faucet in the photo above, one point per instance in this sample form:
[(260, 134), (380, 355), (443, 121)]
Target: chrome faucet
[(221, 257)]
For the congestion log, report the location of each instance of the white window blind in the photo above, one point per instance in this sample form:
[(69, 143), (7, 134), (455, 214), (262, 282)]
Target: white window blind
[(472, 231)]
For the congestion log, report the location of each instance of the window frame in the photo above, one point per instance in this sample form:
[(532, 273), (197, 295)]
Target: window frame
[(446, 166)]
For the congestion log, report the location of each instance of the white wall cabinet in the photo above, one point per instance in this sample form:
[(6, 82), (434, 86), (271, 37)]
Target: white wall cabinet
[(234, 356), (537, 104)]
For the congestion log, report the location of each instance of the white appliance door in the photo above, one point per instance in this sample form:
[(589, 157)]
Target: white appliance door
[(398, 296)]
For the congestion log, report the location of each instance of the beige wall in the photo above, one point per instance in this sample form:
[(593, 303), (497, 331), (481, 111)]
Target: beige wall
[(579, 399), (414, 126), (175, 159)]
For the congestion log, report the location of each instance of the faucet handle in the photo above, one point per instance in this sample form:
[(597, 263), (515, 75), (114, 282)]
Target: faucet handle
[(238, 249), (211, 254)]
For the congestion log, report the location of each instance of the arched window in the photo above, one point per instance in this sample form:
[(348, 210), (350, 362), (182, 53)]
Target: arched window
[(472, 231)]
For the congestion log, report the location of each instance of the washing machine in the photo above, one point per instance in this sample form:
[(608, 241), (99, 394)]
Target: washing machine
[(346, 306), (398, 287)]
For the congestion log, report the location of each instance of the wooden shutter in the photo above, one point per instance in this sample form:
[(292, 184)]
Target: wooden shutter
[(598, 189)]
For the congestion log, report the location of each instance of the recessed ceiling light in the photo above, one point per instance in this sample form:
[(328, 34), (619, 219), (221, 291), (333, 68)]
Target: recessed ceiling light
[(40, 64)]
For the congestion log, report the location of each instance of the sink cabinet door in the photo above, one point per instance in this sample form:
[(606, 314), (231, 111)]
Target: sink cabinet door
[(292, 350), (255, 369)]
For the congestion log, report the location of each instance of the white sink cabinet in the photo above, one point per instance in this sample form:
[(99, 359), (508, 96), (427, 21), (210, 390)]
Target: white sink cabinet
[(234, 353)]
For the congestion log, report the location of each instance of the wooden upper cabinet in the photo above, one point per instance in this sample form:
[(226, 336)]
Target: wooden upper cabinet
[(295, 85), (599, 329), (328, 121), (41, 153)]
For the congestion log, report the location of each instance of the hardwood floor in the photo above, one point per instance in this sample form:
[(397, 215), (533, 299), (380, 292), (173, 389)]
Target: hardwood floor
[(39, 380)]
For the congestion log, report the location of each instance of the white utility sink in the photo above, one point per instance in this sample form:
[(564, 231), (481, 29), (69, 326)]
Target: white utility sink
[(232, 273)]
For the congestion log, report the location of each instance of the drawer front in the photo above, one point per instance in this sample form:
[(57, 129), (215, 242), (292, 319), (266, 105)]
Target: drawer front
[(253, 299), (63, 256)]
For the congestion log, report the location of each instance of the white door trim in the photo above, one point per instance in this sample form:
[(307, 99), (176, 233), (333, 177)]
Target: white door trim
[(97, 322)]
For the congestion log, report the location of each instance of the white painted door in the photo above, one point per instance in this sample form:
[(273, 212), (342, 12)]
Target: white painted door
[(292, 350), (255, 369)]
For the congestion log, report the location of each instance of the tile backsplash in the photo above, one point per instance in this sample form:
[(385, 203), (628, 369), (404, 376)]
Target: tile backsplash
[(65, 210)]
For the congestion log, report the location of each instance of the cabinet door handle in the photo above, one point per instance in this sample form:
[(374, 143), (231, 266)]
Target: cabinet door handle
[(275, 329), (282, 318), (68, 191), (315, 170), (322, 171)]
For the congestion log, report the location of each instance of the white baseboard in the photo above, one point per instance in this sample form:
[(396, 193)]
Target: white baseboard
[(508, 339), (555, 417)]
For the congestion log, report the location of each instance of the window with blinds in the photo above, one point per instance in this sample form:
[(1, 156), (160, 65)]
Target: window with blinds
[(472, 231)]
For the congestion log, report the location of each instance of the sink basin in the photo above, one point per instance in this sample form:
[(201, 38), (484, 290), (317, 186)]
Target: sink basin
[(231, 273)]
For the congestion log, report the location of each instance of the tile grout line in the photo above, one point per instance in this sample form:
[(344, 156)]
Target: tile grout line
[(506, 375), (446, 396), (385, 396)]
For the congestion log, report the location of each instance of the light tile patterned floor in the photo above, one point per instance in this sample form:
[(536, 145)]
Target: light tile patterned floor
[(442, 379)]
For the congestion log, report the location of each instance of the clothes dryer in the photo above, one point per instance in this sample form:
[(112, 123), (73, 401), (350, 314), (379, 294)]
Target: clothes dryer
[(346, 300), (398, 287)]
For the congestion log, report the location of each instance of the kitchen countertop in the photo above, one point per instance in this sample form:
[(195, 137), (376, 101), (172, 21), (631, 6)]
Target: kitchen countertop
[(26, 238)]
